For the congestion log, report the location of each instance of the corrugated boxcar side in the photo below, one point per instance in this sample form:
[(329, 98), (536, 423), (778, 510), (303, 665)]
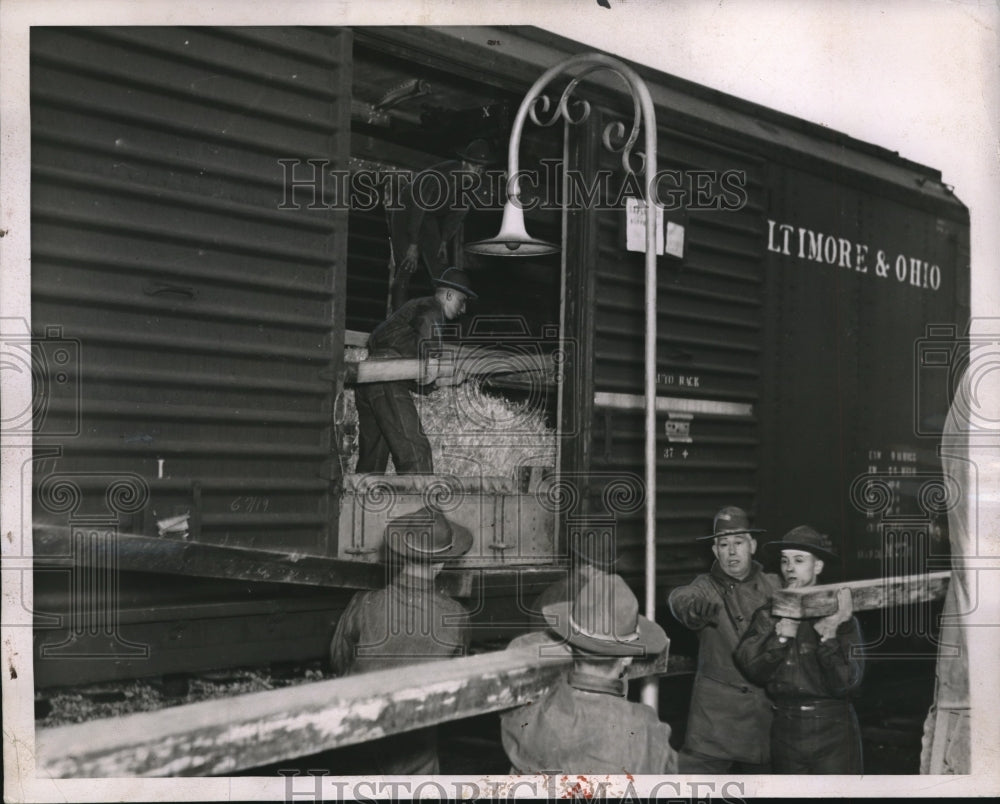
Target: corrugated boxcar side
[(848, 396), (708, 361), (785, 378), (204, 312)]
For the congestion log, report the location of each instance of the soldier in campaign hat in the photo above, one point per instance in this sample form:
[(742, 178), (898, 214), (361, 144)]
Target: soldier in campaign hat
[(407, 622), (729, 719), (387, 417), (430, 213), (810, 667), (585, 724)]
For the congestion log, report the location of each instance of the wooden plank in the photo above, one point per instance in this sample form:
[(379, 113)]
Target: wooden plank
[(354, 338), (871, 593), (480, 363), (388, 370), (134, 553), (230, 734), (53, 545)]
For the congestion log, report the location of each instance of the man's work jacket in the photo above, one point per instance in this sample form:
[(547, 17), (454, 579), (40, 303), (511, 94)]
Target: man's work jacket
[(730, 716), (408, 622), (584, 725)]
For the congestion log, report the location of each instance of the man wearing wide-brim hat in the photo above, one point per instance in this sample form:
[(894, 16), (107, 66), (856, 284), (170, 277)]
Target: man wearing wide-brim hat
[(407, 622), (810, 667), (585, 724), (729, 719), (430, 212), (388, 422)]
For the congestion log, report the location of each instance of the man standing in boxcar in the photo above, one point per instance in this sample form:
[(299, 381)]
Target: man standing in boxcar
[(729, 720), (387, 418), (810, 668), (406, 623), (432, 209)]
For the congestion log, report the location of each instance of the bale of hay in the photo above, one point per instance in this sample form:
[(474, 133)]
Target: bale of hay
[(472, 432)]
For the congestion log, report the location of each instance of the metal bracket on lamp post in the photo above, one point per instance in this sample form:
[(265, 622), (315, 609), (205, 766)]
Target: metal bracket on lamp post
[(514, 241)]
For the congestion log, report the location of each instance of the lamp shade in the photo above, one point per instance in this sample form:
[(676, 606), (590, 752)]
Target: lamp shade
[(512, 240)]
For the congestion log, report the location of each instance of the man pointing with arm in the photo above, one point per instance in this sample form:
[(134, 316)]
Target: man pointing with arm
[(730, 717)]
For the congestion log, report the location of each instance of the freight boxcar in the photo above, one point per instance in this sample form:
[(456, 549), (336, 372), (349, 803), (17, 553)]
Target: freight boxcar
[(207, 237)]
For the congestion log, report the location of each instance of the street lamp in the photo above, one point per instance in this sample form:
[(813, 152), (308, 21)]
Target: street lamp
[(514, 241)]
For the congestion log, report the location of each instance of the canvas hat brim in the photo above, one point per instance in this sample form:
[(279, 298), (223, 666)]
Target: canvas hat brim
[(729, 533), (461, 541), (651, 640), (773, 548), (444, 283)]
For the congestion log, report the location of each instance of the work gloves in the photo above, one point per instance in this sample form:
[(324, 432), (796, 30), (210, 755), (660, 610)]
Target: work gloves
[(786, 628), (827, 626), (704, 612)]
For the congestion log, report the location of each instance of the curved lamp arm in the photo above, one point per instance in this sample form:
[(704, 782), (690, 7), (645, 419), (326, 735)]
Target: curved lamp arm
[(642, 104)]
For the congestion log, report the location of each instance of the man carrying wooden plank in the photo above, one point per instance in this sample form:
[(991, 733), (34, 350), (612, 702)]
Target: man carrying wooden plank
[(406, 623), (387, 418), (810, 668), (585, 724), (729, 720)]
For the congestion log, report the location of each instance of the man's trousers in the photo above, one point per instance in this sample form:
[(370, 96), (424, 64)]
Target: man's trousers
[(388, 423), (817, 736)]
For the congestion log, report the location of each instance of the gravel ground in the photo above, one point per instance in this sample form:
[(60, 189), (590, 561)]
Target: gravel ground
[(61, 706), (58, 707)]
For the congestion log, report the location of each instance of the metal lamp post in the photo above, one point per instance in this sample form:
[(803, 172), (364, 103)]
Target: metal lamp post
[(514, 241)]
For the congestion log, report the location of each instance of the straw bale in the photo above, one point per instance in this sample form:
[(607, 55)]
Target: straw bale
[(473, 432)]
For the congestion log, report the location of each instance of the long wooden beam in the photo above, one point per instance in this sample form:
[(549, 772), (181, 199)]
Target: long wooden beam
[(53, 545), (871, 593), (230, 734), (484, 363)]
